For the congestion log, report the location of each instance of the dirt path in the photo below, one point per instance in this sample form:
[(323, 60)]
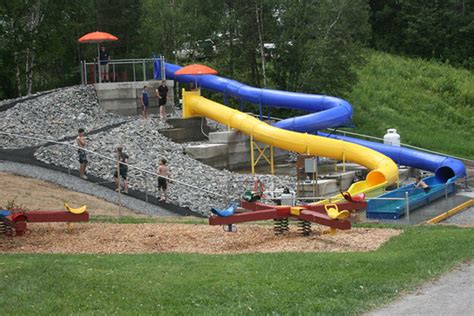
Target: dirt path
[(452, 294), (40, 195)]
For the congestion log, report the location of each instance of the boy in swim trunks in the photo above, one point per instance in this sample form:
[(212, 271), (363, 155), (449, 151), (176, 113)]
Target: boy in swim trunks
[(163, 173), (81, 144)]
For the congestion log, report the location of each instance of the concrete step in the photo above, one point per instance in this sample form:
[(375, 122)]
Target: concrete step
[(323, 187), (183, 135), (206, 151), (189, 122), (228, 137)]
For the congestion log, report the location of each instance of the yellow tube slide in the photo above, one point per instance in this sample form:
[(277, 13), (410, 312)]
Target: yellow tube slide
[(383, 170)]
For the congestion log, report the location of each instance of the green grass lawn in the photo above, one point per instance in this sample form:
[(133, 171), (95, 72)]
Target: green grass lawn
[(281, 283), (430, 104)]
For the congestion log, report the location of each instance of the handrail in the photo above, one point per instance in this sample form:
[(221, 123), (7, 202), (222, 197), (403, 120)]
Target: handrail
[(90, 70), (114, 160), (402, 144), (121, 61)]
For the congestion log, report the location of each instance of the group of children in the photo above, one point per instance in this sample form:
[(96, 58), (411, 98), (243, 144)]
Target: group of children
[(122, 159)]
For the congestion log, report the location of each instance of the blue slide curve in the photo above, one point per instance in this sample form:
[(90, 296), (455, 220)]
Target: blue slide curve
[(325, 112)]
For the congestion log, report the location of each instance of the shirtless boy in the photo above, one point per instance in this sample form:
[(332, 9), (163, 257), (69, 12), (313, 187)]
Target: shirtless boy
[(163, 173), (81, 143), (421, 184)]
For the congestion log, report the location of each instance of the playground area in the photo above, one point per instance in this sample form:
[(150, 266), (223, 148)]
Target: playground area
[(109, 238)]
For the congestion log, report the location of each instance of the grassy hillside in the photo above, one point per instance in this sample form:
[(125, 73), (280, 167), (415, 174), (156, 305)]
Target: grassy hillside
[(430, 104)]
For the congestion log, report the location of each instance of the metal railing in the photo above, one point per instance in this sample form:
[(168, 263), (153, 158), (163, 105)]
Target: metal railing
[(380, 139), (114, 165), (405, 196), (122, 70)]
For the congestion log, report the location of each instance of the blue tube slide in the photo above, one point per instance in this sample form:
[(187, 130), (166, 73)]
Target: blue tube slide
[(444, 167), (325, 111)]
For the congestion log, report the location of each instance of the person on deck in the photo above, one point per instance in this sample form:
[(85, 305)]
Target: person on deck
[(145, 99), (162, 94), (104, 64)]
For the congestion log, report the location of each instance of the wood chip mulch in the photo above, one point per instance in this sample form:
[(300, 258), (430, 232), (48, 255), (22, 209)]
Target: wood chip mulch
[(186, 238)]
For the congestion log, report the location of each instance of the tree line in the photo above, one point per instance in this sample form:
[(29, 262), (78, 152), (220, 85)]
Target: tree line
[(296, 45)]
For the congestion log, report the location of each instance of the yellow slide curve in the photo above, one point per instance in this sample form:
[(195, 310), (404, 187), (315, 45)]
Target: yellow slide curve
[(383, 170)]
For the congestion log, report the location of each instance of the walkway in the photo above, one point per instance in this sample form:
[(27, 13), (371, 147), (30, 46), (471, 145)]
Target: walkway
[(452, 294)]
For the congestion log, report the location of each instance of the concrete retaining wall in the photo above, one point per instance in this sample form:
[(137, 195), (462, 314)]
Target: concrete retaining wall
[(230, 150), (124, 97)]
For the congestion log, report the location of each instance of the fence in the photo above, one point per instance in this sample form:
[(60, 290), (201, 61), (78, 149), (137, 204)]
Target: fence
[(123, 70), (403, 198)]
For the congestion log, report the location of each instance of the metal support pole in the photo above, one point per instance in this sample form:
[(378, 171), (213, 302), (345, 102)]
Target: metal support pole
[(82, 72), (98, 64), (315, 168), (272, 161), (85, 72), (407, 206), (146, 188), (144, 70), (163, 69), (252, 157), (119, 185), (133, 67), (113, 71)]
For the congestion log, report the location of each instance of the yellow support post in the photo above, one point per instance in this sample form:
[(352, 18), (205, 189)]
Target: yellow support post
[(344, 162)]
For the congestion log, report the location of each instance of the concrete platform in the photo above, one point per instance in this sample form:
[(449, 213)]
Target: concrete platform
[(324, 187)]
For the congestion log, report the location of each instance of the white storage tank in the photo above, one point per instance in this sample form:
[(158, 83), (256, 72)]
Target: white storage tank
[(392, 137)]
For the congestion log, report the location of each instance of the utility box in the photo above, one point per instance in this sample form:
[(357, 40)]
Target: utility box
[(311, 165)]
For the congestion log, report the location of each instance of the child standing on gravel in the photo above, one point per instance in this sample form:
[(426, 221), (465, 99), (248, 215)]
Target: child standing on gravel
[(163, 173), (81, 143), (123, 170)]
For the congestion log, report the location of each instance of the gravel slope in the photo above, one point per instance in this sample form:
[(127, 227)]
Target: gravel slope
[(59, 114)]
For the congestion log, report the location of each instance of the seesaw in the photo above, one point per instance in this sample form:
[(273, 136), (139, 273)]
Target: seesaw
[(17, 221), (334, 215)]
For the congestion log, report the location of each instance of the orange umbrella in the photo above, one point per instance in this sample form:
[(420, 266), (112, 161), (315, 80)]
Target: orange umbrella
[(196, 69), (97, 37)]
